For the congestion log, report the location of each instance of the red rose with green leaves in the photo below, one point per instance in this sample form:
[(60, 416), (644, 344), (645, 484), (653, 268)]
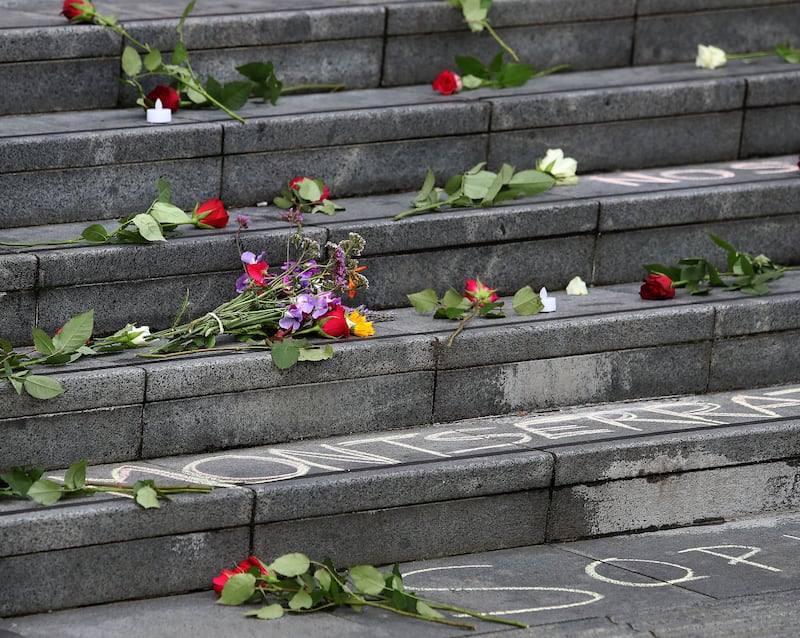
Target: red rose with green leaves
[(78, 10), (242, 568), (334, 323), (657, 287), (479, 293), (211, 214), (295, 184), (447, 83), (170, 98)]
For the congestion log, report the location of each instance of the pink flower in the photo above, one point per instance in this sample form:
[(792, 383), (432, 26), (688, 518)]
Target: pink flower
[(479, 293), (447, 83), (657, 287)]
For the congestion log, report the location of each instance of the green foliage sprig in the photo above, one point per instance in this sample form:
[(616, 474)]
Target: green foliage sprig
[(68, 344), (698, 275), (476, 15), (478, 300), (479, 187), (499, 74), (141, 61), (28, 483), (296, 584)]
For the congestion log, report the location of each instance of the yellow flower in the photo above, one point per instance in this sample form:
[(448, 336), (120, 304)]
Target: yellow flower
[(359, 326)]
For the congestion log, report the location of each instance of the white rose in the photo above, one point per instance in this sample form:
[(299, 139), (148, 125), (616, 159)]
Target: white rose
[(577, 286), (709, 57), (139, 336), (562, 168)]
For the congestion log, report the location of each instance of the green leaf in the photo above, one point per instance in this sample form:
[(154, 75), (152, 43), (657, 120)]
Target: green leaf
[(95, 233), (301, 600), (527, 302), (179, 54), (315, 354), (5, 345), (470, 81), (75, 333), (471, 66), (367, 579), (238, 589), (285, 353), (290, 564), (164, 190), (42, 341), (45, 492), (309, 190), (424, 300), (146, 497), (41, 387), (75, 478), (195, 96), (427, 611), (454, 299), (186, 11), (322, 576), (268, 612), (148, 227), (16, 384), (166, 213), (496, 65), (477, 185), (131, 62), (236, 94), (152, 60), (513, 74), (282, 202), (257, 71), (532, 182), (20, 480)]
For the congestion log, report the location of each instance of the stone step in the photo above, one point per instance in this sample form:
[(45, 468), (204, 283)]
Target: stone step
[(49, 65), (607, 346), (604, 230), (90, 165), (396, 495)]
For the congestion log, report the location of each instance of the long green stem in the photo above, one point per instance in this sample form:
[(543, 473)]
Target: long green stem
[(424, 209), (42, 243), (402, 612), (310, 87), (461, 325), (756, 54), (499, 41)]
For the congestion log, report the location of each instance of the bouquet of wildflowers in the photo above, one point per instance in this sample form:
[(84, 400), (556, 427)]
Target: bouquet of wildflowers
[(277, 309)]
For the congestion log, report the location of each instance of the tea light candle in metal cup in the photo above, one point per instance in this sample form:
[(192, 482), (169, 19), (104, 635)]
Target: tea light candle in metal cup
[(158, 114)]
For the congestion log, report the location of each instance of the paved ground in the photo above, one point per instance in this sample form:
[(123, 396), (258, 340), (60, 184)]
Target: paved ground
[(737, 579)]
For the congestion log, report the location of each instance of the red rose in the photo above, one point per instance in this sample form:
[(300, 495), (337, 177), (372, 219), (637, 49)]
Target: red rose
[(211, 213), (657, 287), (325, 192), (478, 292), (78, 10), (334, 323), (447, 83), (170, 98), (242, 568)]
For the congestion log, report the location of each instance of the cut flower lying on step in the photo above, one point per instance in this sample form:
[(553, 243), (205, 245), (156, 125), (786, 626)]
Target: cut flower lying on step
[(478, 299), (478, 187), (711, 57), (295, 584)]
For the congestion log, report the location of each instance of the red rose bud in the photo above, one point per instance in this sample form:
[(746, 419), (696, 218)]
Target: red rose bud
[(211, 213), (334, 323), (447, 83), (78, 10), (657, 287), (242, 568), (297, 181), (170, 98), (478, 292)]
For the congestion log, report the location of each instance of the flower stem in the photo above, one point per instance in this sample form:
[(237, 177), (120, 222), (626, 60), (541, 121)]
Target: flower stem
[(42, 243), (424, 209), (461, 325), (499, 41), (755, 54), (443, 621), (308, 87)]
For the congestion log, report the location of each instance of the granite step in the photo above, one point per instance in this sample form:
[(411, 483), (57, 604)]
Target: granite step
[(90, 165), (603, 230), (49, 65), (397, 495), (609, 345)]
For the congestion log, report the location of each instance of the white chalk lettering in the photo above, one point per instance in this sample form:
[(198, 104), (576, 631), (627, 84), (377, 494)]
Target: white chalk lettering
[(591, 570), (740, 559)]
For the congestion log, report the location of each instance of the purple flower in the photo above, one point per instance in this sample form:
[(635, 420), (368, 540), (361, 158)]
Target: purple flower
[(305, 306), (340, 274), (250, 259), (243, 221)]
